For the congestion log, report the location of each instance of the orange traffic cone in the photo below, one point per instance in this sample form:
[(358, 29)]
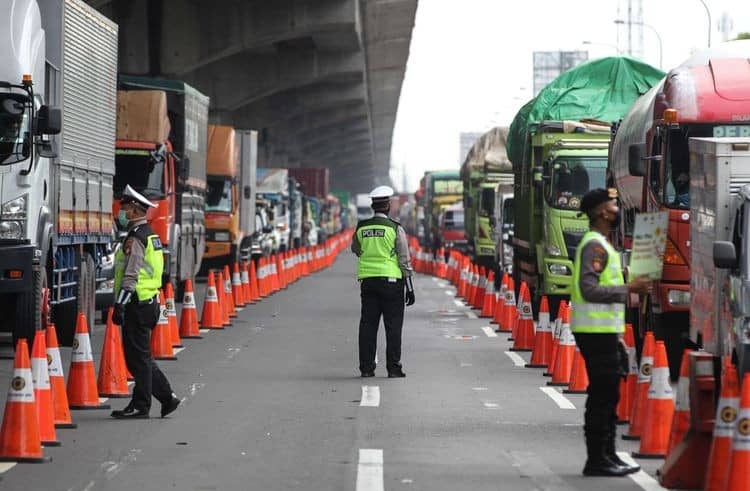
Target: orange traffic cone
[(113, 376), (211, 315), (82, 391), (659, 409), (189, 316), (253, 276), (472, 283), (641, 391), (481, 287), (19, 435), (509, 307), (565, 353), (57, 381), (720, 455), (237, 294), (488, 303), (523, 338), (497, 315), (543, 342), (171, 310), (228, 292), (739, 469), (43, 392), (245, 280), (579, 379), (681, 419), (221, 296), (161, 338), (274, 274), (629, 383), (557, 330)]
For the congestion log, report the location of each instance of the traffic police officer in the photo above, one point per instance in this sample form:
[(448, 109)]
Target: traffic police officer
[(139, 263), (598, 322), (383, 271)]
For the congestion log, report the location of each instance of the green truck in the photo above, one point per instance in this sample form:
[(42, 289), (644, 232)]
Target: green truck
[(485, 167), (442, 189), (558, 148)]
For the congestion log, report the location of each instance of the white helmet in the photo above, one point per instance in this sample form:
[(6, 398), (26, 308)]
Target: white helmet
[(131, 194), (381, 193)]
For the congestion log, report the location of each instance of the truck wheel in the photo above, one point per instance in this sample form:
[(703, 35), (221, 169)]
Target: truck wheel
[(30, 308)]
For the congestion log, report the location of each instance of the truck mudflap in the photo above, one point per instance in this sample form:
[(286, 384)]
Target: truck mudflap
[(672, 297), (16, 268)]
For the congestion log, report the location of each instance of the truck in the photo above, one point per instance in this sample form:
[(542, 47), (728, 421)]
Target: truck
[(171, 171), (230, 198), (273, 185), (486, 166), (707, 96), (442, 189), (56, 166), (720, 247), (451, 228), (504, 227), (313, 181), (363, 202), (558, 148)]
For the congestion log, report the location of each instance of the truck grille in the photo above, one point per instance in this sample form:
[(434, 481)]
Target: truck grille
[(572, 239)]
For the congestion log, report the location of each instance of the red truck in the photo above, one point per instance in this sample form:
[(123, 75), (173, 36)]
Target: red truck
[(649, 162)]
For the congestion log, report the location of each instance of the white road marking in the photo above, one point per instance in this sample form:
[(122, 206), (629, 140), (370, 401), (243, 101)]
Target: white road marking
[(463, 365), (435, 279), (479, 388), (491, 405), (489, 332), (517, 360), (458, 303), (370, 470), (471, 315), (448, 292), (641, 478), (561, 401), (102, 400), (370, 396), (204, 331), (6, 466), (177, 350)]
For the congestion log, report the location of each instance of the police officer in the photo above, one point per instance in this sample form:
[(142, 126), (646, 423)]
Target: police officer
[(383, 271), (598, 322), (138, 271)]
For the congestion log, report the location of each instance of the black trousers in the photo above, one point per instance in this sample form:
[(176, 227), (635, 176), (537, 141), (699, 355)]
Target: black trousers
[(601, 354), (140, 320), (381, 298)]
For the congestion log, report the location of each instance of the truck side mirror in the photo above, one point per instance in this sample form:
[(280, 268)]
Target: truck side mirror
[(636, 166), (48, 121), (247, 192), (725, 256)]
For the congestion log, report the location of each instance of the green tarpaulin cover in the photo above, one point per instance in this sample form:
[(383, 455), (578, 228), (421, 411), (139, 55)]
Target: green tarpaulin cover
[(602, 89)]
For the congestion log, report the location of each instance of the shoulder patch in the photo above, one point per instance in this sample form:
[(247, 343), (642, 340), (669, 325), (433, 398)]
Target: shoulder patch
[(156, 242), (597, 265)]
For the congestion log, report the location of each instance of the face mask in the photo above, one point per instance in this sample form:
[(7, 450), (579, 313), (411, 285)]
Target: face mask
[(122, 219)]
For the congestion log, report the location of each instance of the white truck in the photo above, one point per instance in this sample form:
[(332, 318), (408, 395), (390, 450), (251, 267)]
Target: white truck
[(720, 246), (55, 192), (273, 186), (364, 209)]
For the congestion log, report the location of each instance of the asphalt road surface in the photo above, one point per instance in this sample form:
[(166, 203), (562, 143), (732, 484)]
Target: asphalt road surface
[(275, 402)]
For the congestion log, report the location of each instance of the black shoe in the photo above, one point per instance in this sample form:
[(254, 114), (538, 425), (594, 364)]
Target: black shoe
[(396, 374), (170, 406), (629, 469), (368, 374), (129, 413), (604, 467)]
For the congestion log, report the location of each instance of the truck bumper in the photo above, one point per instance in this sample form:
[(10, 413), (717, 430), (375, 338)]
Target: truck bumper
[(556, 281), (16, 259), (217, 249), (672, 297)]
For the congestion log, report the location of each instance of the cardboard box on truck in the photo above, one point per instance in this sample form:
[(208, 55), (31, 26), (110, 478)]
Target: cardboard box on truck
[(223, 154), (142, 116)]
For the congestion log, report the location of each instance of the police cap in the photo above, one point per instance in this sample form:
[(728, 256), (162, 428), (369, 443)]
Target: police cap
[(596, 197), (130, 195), (381, 194)]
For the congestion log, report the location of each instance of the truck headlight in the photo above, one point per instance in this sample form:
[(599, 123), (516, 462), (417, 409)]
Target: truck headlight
[(559, 269), (11, 229), (553, 250), (14, 209), (678, 297)]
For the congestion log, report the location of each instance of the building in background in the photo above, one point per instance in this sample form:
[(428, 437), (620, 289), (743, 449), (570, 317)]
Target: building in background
[(549, 64)]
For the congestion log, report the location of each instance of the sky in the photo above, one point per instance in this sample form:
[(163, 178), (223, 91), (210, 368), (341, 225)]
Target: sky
[(470, 62)]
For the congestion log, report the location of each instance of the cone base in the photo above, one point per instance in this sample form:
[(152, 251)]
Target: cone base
[(66, 426), (178, 345), (493, 322), (51, 443), (622, 421), (510, 338), (485, 316), (86, 408), (547, 374), (161, 358), (233, 316), (502, 330), (639, 455), (219, 328), (558, 384), (522, 350), (529, 365), (27, 460), (631, 438), (115, 396), (568, 391), (191, 337)]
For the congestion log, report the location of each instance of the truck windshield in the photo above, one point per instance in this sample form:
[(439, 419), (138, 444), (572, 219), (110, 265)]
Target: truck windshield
[(219, 195), (448, 186), (144, 174), (573, 177), (14, 128), (487, 202)]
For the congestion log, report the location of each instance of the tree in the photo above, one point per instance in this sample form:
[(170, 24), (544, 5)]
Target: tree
[(742, 35)]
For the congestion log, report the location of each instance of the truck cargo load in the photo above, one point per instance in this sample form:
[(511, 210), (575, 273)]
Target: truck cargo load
[(142, 115), (223, 156), (313, 181)]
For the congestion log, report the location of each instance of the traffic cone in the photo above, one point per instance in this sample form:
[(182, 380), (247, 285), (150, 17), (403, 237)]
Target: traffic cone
[(113, 376), (223, 308), (479, 292), (629, 383), (579, 378), (523, 339), (681, 419), (472, 284), (228, 292), (488, 304), (189, 316), (720, 455), (517, 309), (557, 330), (245, 281), (237, 294), (641, 392), (253, 277), (659, 409), (509, 307), (542, 352), (82, 391), (57, 381), (274, 274), (739, 468), (285, 268), (43, 392), (211, 317), (20, 440), (497, 315), (161, 338), (174, 330), (565, 353)]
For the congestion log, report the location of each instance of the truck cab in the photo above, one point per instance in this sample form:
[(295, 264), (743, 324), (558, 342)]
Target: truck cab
[(452, 233), (504, 226)]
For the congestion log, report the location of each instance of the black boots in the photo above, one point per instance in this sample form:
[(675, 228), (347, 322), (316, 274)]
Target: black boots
[(603, 460)]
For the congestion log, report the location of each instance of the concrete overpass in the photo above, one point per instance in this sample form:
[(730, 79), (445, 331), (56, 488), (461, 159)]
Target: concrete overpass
[(320, 79)]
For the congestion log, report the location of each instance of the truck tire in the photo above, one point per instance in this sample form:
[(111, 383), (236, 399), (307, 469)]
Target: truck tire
[(66, 314), (29, 308)]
